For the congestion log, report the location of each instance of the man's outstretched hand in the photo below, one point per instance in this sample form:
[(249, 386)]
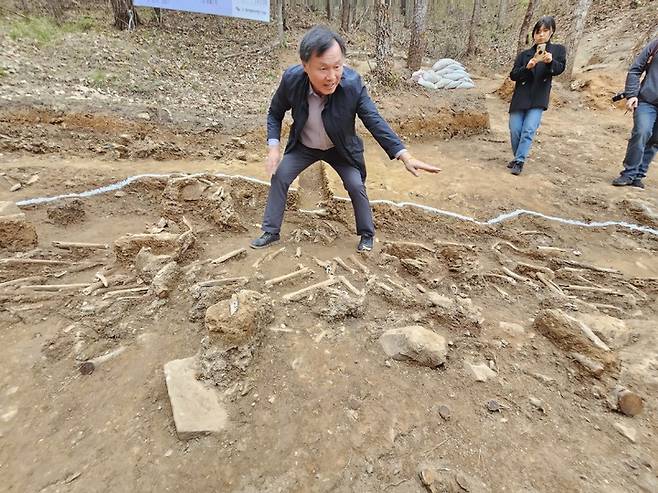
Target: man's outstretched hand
[(272, 161), (414, 165)]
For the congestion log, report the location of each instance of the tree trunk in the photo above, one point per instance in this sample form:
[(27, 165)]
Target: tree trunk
[(503, 7), (417, 43), (533, 5), (577, 28), (409, 14), (328, 6), (279, 20), (403, 8), (353, 10), (383, 53), (475, 23), (125, 16), (345, 15)]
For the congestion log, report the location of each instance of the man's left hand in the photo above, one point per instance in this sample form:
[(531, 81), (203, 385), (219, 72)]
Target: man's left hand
[(414, 165)]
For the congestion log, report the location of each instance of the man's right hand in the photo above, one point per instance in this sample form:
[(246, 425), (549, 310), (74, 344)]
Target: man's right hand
[(531, 64), (273, 159), (631, 104)]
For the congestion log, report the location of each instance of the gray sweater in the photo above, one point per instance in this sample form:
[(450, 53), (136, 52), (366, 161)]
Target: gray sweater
[(647, 90)]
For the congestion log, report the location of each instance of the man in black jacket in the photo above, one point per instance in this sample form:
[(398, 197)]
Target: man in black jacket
[(325, 97), (642, 99)]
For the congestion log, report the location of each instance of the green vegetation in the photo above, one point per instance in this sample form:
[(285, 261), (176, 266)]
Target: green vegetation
[(98, 78), (44, 30)]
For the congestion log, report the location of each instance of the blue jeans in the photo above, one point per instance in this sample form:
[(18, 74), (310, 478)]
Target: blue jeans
[(522, 128), (643, 144)]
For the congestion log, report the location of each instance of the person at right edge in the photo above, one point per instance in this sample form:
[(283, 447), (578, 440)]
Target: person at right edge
[(642, 100), (533, 73)]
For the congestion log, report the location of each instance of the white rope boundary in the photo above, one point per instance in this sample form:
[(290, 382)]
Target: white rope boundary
[(507, 216)]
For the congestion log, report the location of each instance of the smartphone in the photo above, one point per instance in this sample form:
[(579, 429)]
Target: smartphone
[(541, 49)]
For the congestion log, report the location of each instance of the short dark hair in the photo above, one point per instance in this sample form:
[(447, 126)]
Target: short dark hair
[(318, 40), (548, 21)]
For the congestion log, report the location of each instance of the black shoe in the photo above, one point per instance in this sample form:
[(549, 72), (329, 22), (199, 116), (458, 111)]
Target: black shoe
[(366, 243), (637, 182), (511, 164), (517, 168), (622, 181), (265, 240)]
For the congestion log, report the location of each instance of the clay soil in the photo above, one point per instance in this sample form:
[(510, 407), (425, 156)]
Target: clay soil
[(315, 404)]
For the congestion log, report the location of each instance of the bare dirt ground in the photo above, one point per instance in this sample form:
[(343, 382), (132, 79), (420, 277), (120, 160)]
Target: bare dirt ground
[(553, 316)]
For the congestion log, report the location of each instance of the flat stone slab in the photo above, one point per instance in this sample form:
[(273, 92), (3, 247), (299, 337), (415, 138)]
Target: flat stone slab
[(195, 405)]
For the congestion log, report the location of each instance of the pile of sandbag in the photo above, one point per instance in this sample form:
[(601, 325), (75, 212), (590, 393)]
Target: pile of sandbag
[(444, 74)]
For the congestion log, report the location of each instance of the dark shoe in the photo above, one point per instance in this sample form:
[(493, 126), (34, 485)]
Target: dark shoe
[(517, 168), (637, 183), (622, 181), (511, 164), (265, 240), (366, 243)]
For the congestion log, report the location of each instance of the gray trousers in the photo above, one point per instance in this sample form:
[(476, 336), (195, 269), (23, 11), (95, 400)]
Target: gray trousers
[(296, 161)]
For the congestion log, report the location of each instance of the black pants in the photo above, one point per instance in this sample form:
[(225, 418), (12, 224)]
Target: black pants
[(296, 161)]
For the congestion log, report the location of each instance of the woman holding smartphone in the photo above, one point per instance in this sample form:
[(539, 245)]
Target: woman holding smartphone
[(533, 73)]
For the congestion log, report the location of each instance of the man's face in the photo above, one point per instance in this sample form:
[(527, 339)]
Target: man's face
[(543, 35), (325, 71)]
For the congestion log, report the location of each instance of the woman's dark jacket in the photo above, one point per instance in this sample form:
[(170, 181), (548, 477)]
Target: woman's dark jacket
[(533, 87)]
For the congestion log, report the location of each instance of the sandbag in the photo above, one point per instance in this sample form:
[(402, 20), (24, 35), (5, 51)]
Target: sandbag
[(431, 76), (424, 83), (442, 63), (456, 75), (417, 75), (453, 84), (466, 85)]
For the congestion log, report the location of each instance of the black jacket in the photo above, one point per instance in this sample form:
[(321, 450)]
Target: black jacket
[(533, 87), (349, 100)]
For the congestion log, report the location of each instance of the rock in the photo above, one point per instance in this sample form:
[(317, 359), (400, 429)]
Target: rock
[(128, 246), (450, 481), (641, 211), (538, 403), (148, 265), (612, 330), (239, 320), (69, 212), (481, 372), (336, 305), (415, 343), (512, 329), (192, 191), (144, 116), (444, 412), (353, 403), (165, 280), (493, 406), (195, 406), (205, 297), (16, 233), (577, 339), (438, 300), (86, 368), (592, 367), (627, 402), (627, 431), (33, 179)]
